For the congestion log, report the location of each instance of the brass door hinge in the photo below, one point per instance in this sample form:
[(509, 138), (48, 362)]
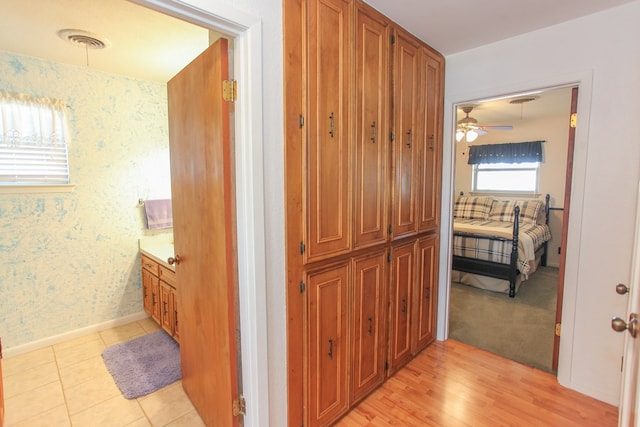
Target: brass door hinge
[(573, 122), (239, 407), (229, 90), (557, 329)]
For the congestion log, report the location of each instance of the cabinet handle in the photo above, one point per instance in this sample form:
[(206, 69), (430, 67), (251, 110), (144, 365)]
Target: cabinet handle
[(374, 132), (409, 138), (153, 299), (331, 125), (164, 308), (330, 348), (370, 325), (404, 305)]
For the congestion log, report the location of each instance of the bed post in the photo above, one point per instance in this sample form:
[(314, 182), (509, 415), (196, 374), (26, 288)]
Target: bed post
[(514, 252), (543, 258)]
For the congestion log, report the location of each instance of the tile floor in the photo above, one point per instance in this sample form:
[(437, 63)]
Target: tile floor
[(68, 385)]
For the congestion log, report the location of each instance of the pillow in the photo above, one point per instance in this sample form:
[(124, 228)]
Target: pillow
[(502, 210), (470, 207)]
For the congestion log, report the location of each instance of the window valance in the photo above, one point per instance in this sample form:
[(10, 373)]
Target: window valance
[(511, 152)]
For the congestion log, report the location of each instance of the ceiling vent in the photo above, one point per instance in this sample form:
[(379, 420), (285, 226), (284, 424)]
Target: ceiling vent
[(84, 39)]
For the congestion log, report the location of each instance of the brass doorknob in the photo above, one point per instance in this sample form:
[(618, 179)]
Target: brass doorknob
[(621, 289), (619, 325), (174, 260)]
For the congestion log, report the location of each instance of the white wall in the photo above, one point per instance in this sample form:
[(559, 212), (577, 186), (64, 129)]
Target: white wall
[(599, 52)]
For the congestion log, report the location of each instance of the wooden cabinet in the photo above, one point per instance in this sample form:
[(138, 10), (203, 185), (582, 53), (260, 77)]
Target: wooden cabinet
[(159, 294), (328, 343), (400, 305), (328, 144), (368, 349), (363, 128), (425, 293)]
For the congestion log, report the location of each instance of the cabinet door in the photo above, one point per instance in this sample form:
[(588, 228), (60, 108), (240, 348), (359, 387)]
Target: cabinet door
[(328, 214), (174, 303), (166, 308), (327, 345), (431, 67), (371, 139), (425, 301), (154, 290), (368, 343), (405, 145), (401, 286), (147, 291)]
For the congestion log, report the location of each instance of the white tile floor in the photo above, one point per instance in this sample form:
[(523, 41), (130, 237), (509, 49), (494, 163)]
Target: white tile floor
[(68, 385)]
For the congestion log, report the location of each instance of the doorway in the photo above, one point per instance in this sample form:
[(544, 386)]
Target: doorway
[(486, 318)]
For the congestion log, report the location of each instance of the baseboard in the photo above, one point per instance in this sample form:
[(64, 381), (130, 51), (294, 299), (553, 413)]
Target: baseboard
[(49, 341)]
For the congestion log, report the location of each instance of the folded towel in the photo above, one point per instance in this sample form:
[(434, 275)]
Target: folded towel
[(158, 213)]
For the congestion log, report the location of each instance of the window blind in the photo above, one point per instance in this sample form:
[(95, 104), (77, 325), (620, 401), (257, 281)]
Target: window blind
[(512, 152), (33, 140)]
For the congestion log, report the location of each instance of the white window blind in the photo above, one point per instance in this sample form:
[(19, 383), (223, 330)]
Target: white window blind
[(33, 140)]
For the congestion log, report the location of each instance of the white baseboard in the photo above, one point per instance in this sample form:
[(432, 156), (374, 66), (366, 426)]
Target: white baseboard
[(49, 341)]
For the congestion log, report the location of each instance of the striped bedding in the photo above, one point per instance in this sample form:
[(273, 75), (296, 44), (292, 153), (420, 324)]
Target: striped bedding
[(530, 238)]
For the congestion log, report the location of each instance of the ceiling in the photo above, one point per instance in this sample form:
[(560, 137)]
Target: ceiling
[(149, 45)]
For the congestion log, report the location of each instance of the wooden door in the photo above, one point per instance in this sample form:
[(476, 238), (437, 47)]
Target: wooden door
[(204, 234), (431, 113), (401, 286), (371, 141), (327, 343), (425, 298), (405, 145), (369, 323), (329, 130)]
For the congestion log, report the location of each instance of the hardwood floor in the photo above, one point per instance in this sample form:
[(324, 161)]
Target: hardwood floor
[(454, 384)]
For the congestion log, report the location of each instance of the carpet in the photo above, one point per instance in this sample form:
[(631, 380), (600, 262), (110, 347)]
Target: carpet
[(520, 328), (144, 364)]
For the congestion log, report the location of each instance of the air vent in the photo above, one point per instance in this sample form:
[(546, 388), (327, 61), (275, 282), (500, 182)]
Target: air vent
[(84, 39)]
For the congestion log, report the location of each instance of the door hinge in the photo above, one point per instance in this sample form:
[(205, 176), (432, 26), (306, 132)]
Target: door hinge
[(390, 229), (302, 286), (557, 329), (573, 122), (239, 407), (301, 120), (229, 90), (393, 38), (302, 248), (386, 365), (389, 257)]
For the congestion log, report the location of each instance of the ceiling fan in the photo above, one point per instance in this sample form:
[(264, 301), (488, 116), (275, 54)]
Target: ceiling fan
[(469, 129)]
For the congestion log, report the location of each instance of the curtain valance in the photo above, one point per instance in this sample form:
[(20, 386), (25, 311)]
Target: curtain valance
[(511, 152)]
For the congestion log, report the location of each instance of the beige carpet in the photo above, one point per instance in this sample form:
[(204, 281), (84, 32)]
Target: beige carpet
[(520, 328)]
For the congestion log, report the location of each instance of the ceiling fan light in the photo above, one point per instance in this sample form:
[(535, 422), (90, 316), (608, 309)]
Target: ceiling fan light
[(459, 135), (472, 135)]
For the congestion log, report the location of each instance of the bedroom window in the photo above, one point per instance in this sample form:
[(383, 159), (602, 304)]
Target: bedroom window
[(33, 141), (506, 177)]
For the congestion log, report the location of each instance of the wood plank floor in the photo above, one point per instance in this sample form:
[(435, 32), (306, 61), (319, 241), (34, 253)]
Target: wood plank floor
[(454, 384)]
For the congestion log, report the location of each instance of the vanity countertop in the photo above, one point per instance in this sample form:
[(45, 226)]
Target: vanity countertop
[(158, 247)]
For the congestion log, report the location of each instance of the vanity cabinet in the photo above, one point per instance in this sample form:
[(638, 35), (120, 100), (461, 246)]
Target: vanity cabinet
[(159, 294)]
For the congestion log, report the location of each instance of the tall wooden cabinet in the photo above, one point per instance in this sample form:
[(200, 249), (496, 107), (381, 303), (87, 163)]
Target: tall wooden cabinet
[(363, 124)]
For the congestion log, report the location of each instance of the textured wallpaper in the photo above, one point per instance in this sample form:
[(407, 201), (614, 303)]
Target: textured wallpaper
[(70, 260)]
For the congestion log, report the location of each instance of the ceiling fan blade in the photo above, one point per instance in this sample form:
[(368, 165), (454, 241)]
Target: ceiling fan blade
[(496, 127), (481, 131)]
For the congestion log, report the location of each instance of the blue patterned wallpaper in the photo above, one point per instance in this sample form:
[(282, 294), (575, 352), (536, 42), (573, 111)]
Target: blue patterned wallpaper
[(70, 260)]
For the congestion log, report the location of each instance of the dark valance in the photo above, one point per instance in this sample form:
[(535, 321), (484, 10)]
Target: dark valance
[(512, 152)]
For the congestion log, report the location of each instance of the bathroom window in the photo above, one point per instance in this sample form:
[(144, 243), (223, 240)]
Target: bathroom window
[(33, 141)]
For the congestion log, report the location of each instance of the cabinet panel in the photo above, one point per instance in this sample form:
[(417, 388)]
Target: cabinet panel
[(166, 308), (431, 67), (426, 293), (371, 139), (369, 325), (147, 291), (329, 137), (401, 286), (327, 345), (405, 146)]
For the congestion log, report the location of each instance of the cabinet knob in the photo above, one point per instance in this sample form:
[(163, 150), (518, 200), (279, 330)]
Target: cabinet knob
[(174, 260)]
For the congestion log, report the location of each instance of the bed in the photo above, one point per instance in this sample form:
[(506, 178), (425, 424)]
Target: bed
[(499, 243)]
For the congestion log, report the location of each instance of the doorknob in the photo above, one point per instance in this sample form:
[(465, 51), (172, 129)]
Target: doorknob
[(621, 289), (174, 260), (619, 325)]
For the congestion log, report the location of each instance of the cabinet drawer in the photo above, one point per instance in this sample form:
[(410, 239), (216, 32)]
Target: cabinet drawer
[(149, 264), (167, 275)]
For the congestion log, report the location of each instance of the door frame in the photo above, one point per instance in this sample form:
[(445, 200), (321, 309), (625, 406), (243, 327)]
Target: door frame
[(247, 64), (453, 97)]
